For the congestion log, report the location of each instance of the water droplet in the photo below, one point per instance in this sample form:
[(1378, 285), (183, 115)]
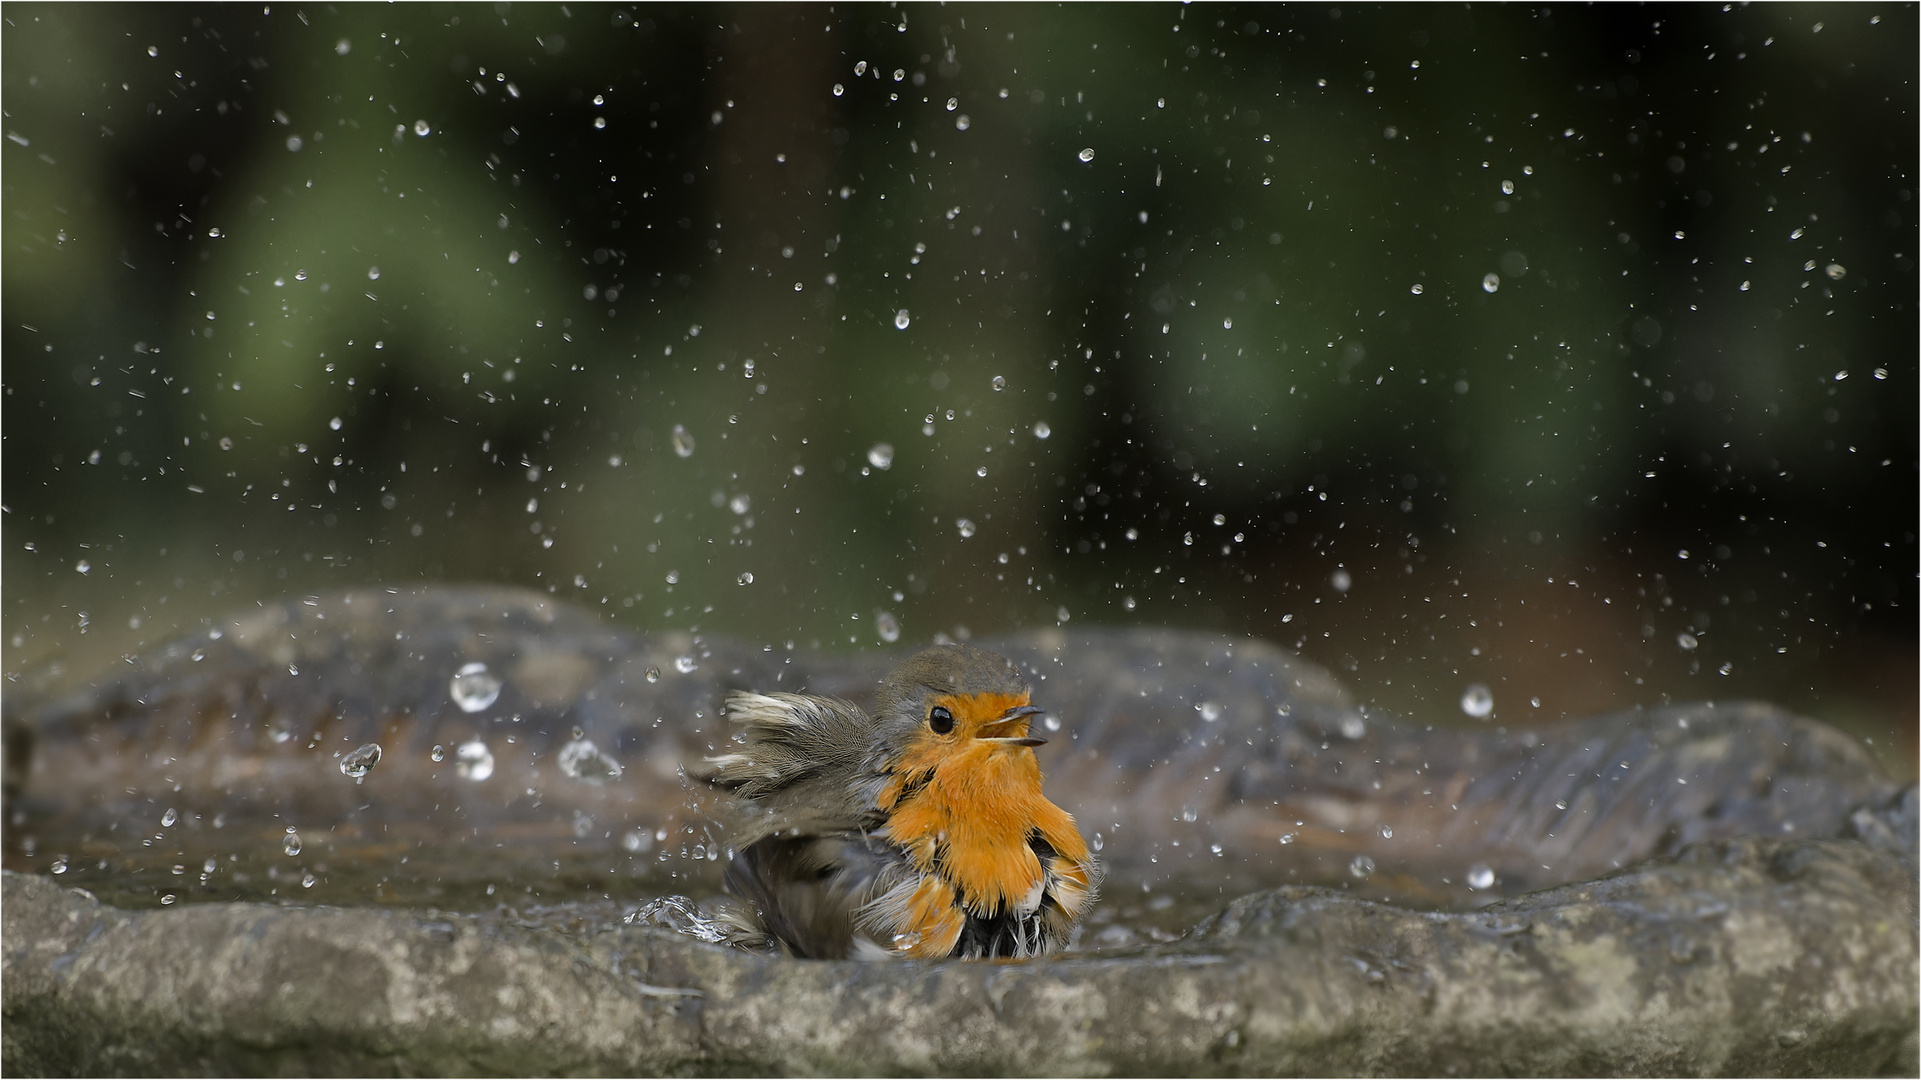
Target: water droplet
[(421, 128), (746, 578), (1387, 832), (1480, 876), (474, 688), (1477, 701), (168, 899), (83, 566), (1417, 288), (170, 818), (653, 674), (584, 761), (1128, 603), (1836, 271), (1353, 726), (59, 865), (209, 866), (1287, 838), (1216, 848), (1340, 580), (965, 525), (887, 626), (1041, 430), (901, 319), (683, 442), (307, 880), (1507, 187), (373, 273), (1560, 804), (741, 503), (291, 845), (1061, 614), (881, 455), (473, 761), (1000, 382), (963, 122), (1361, 867), (439, 753), (1687, 641), (685, 664), (1210, 710), (1051, 722), (1086, 154), (1189, 814), (1491, 283), (906, 941), (361, 762), (638, 840)]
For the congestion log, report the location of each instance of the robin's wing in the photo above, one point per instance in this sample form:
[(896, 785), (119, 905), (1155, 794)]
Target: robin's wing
[(807, 889), (797, 760)]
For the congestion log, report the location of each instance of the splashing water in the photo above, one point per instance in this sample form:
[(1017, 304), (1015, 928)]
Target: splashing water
[(881, 455), (474, 688), (584, 761), (683, 442), (887, 626), (1477, 701), (1480, 876), (361, 762), (473, 761)]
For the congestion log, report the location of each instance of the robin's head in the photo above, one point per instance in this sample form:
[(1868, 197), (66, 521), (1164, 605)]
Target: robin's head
[(951, 703)]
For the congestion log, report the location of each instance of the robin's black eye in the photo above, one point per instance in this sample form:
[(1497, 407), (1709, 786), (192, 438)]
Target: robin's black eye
[(940, 720)]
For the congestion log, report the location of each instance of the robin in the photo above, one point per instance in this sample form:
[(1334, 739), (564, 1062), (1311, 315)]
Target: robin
[(918, 831)]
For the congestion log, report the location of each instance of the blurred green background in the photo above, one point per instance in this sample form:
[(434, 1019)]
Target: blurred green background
[(1571, 352)]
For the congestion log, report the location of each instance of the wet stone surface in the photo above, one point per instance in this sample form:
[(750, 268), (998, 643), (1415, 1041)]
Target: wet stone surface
[(539, 782)]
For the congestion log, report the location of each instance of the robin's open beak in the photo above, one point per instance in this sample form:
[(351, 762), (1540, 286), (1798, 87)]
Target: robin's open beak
[(1012, 716)]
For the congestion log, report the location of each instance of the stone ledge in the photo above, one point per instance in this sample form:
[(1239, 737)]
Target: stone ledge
[(1750, 956)]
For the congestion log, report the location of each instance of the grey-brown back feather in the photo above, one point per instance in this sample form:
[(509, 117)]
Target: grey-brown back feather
[(808, 889)]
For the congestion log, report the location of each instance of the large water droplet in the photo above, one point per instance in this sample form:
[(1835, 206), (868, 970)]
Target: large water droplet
[(901, 319), (1491, 283), (1477, 701), (59, 865), (1340, 581), (685, 664), (1687, 641), (1353, 726), (582, 760), (168, 819), (1000, 382), (1210, 710), (653, 674), (361, 762), (887, 626), (439, 753), (1361, 867), (474, 688), (1480, 876), (965, 525), (422, 128), (881, 455), (1041, 430), (1086, 154), (473, 761), (683, 442), (291, 845), (746, 578), (1387, 832)]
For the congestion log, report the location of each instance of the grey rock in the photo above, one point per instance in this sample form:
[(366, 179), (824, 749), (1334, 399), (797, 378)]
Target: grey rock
[(1754, 956)]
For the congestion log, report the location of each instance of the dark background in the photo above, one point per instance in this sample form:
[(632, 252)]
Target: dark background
[(1567, 351)]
